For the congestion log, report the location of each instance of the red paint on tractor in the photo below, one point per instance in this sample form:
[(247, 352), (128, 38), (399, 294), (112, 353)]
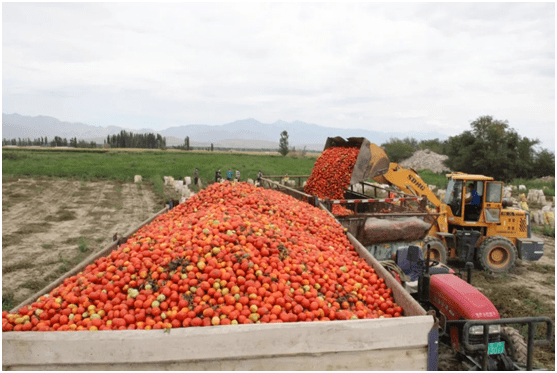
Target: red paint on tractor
[(457, 299)]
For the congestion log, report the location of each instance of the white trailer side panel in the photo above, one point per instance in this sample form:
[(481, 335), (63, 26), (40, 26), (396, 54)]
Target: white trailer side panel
[(379, 344)]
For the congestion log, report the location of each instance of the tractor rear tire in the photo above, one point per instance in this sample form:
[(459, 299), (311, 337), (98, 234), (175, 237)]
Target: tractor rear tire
[(497, 254), (438, 250), (515, 345)]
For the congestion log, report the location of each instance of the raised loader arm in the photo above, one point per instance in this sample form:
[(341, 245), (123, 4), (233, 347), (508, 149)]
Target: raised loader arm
[(408, 180), (373, 162)]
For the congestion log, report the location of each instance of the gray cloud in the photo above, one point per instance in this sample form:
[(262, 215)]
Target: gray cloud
[(400, 67)]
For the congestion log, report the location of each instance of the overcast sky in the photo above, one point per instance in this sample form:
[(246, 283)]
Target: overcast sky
[(391, 67)]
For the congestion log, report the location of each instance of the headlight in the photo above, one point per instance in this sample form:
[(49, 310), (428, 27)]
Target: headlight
[(479, 329)]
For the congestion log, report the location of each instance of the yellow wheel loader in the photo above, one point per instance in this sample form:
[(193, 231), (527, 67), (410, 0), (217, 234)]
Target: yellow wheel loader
[(483, 230)]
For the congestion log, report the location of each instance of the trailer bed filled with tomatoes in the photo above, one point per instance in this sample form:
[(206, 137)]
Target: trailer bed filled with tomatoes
[(233, 254)]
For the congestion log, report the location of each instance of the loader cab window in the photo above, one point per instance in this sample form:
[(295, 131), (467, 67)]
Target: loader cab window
[(453, 196), (473, 202), (494, 192)]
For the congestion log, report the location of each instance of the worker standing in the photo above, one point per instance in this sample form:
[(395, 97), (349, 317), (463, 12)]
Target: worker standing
[(195, 174), (229, 174), (237, 175), (259, 176), (217, 176)]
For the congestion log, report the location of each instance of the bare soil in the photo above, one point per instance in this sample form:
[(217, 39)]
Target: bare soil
[(50, 225)]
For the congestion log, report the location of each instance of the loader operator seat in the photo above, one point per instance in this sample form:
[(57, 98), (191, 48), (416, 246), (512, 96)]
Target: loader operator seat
[(473, 208)]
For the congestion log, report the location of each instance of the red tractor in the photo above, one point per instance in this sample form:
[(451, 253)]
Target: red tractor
[(468, 322)]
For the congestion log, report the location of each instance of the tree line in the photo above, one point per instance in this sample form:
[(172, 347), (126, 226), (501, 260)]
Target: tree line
[(491, 147), (123, 139), (43, 141), (142, 140)]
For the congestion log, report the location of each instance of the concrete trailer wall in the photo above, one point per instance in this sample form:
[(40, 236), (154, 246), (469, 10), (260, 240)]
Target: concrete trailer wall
[(380, 344)]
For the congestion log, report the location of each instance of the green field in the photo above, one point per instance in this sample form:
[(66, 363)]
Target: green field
[(150, 164)]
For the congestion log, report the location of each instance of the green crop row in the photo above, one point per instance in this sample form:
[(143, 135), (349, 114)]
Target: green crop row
[(151, 165)]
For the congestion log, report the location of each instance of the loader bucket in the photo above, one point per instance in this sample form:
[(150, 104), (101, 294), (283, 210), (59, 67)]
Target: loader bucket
[(372, 161)]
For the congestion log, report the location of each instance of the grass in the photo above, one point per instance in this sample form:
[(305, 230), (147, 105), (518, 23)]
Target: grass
[(440, 180), (152, 165), (548, 187), (432, 178), (546, 230), (8, 302), (82, 245)]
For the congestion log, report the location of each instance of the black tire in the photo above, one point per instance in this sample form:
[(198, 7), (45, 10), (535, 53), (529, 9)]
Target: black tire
[(515, 345), (497, 254), (438, 250)]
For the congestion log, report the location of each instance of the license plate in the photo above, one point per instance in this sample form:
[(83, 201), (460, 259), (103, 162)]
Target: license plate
[(495, 348)]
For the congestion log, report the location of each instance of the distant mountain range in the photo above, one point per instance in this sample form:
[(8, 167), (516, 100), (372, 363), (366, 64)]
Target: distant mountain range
[(245, 133)]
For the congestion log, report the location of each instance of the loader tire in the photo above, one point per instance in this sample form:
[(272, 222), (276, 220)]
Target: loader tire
[(515, 345), (437, 251), (497, 254)]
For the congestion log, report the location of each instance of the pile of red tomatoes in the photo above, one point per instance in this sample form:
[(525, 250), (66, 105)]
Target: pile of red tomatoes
[(232, 254), (331, 175)]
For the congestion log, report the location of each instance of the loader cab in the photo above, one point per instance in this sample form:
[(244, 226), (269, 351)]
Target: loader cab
[(473, 199)]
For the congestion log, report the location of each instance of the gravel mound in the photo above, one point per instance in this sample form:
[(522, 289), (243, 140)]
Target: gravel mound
[(426, 160)]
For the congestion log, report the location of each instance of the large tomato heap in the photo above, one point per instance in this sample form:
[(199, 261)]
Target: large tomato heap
[(231, 254), (331, 175)]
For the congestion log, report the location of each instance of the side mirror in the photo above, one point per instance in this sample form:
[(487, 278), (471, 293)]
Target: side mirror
[(413, 253)]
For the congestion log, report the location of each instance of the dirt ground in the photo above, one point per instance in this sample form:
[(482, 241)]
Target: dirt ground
[(50, 225)]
